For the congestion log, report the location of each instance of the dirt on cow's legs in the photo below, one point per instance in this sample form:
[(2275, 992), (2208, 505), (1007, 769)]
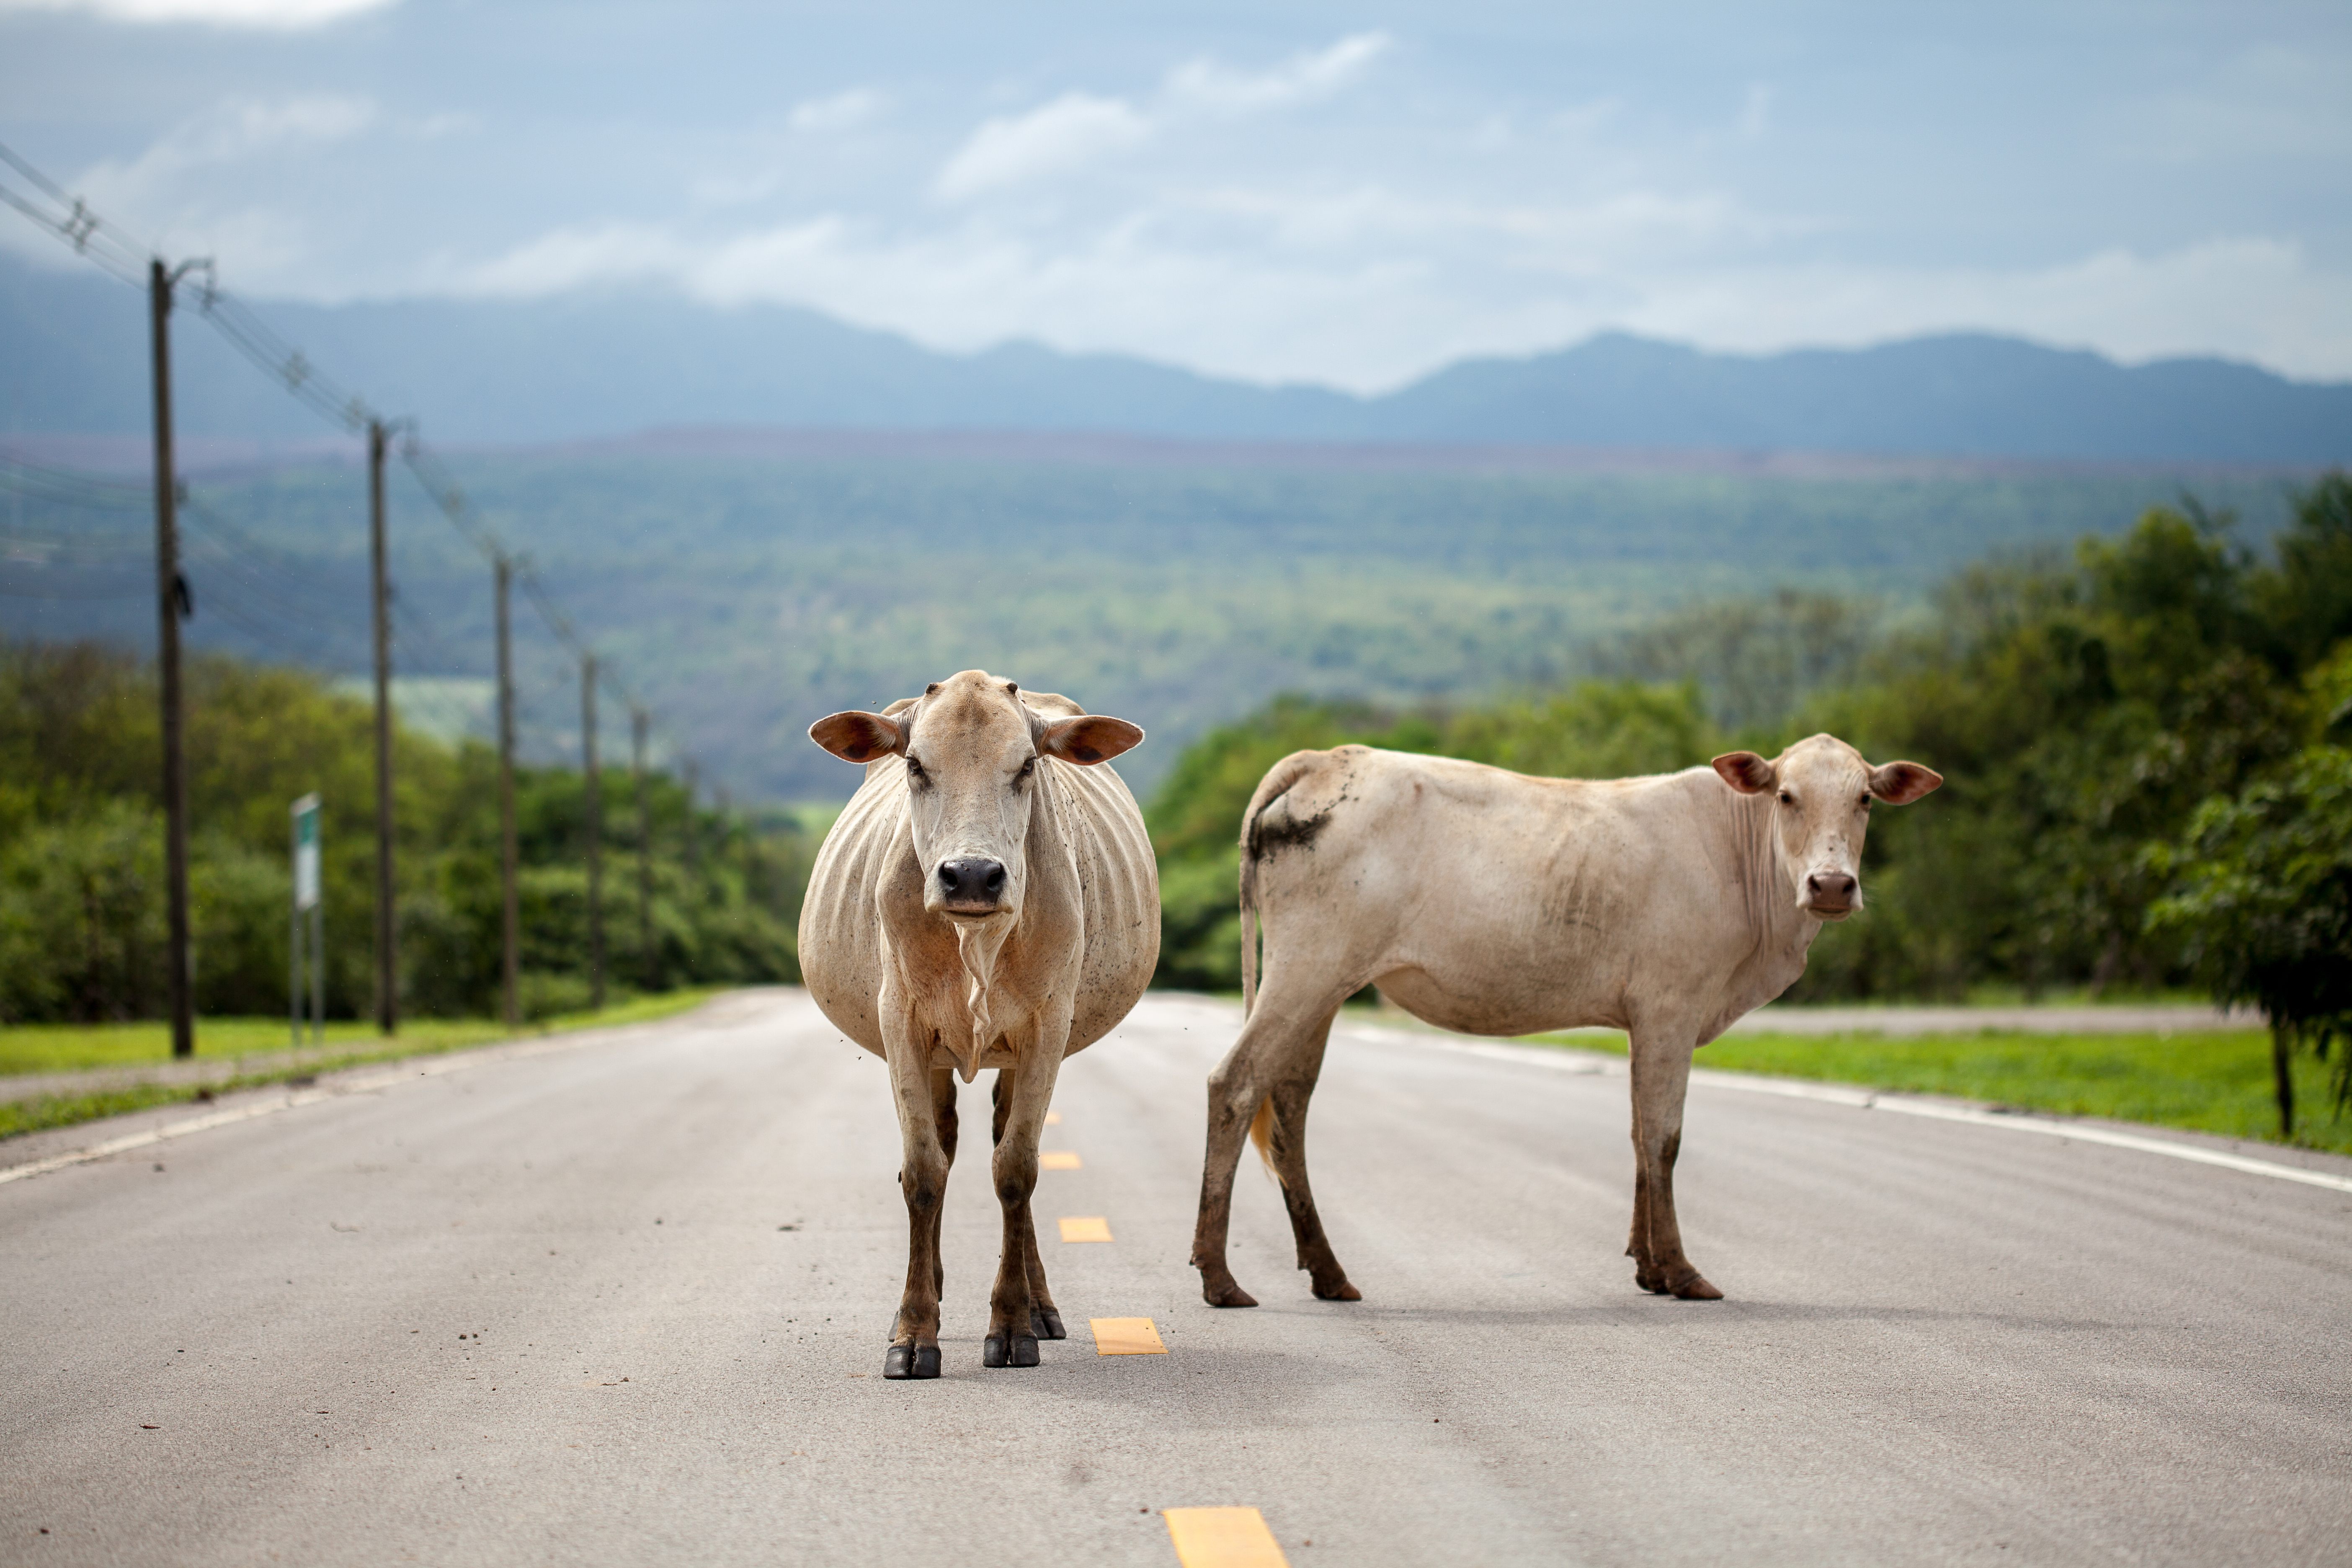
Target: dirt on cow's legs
[(1279, 1053), (1661, 1078), (1233, 1098), (943, 1110), (1023, 1093), (1286, 1146), (1043, 1320), (915, 1332)]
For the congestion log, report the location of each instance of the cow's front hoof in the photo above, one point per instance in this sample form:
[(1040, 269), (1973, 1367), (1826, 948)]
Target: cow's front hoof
[(1009, 1350), (911, 1361), (1046, 1323), (1696, 1289)]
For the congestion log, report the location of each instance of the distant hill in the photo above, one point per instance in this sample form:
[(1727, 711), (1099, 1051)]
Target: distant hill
[(73, 360)]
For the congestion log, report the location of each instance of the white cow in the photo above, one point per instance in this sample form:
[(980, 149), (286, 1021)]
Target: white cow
[(988, 899), (1493, 903)]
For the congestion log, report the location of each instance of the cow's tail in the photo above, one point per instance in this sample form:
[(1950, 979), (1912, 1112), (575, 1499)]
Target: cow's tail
[(1277, 782), (1271, 788)]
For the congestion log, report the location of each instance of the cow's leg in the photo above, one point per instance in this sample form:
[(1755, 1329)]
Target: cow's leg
[(923, 1180), (1280, 1043), (1043, 1320), (1011, 1304), (1286, 1148), (943, 1112), (1661, 1062)]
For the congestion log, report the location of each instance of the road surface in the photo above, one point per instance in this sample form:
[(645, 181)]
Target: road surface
[(623, 1299)]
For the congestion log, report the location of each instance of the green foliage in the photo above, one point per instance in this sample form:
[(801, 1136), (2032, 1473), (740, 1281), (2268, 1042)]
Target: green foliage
[(2081, 710), (81, 885), (2214, 1081), (2264, 905)]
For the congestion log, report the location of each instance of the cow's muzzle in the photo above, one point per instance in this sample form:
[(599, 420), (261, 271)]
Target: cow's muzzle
[(972, 887), (1831, 895)]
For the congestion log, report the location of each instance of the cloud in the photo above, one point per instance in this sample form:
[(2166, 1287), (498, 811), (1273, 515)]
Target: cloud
[(841, 111), (1205, 84), (281, 15), (2247, 296), (1073, 130), (230, 131), (1370, 316)]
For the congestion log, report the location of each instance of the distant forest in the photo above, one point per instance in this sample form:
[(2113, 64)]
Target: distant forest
[(745, 597), (2124, 729)]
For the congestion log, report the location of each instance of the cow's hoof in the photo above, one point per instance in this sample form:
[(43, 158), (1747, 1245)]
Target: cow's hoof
[(1337, 1291), (1046, 1323), (1651, 1281), (911, 1361), (1696, 1288), (1009, 1350), (1219, 1290)]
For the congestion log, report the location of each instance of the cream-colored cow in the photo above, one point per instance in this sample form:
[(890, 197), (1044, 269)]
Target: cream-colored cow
[(1496, 904), (988, 899)]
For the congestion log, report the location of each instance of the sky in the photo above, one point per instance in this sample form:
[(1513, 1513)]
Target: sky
[(1346, 194)]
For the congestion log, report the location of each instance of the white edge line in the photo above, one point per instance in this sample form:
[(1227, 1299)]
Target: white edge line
[(360, 1082), (1901, 1105)]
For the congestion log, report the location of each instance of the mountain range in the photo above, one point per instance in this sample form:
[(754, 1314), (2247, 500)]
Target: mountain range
[(73, 360)]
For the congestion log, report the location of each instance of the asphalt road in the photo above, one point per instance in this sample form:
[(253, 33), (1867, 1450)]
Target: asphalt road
[(624, 1300)]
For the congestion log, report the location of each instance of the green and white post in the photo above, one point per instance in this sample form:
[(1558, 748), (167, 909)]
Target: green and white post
[(307, 901)]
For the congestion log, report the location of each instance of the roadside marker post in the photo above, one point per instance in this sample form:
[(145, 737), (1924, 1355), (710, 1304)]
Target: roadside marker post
[(306, 901)]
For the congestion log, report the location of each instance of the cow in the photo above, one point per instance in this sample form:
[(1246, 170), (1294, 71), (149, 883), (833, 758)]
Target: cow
[(1492, 904), (987, 899)]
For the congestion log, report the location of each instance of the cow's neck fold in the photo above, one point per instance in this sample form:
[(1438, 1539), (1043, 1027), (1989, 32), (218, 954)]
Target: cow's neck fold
[(978, 945)]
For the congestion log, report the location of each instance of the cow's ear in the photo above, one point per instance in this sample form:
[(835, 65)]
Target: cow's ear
[(1088, 738), (1745, 772), (1900, 783), (857, 737)]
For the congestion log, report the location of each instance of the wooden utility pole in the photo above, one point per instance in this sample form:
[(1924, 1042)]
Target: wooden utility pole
[(645, 847), (592, 795), (693, 834), (173, 602), (387, 954), (510, 1007)]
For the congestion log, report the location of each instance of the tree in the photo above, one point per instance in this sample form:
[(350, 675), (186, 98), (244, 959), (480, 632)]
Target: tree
[(2264, 898)]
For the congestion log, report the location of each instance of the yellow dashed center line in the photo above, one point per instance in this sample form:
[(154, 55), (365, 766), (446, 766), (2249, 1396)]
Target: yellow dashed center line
[(1058, 1160), (1085, 1227), (1053, 1119), (1126, 1336), (1223, 1538)]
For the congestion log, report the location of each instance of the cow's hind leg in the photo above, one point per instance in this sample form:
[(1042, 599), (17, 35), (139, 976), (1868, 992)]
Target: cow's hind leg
[(1278, 1053), (1660, 1063), (1287, 1150), (1043, 1317)]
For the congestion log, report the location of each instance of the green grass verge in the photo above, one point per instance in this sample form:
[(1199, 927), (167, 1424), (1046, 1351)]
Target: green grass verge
[(47, 1048), (2210, 1081)]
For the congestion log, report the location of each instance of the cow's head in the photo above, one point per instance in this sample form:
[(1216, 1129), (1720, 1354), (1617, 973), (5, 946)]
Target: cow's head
[(971, 748), (1822, 792)]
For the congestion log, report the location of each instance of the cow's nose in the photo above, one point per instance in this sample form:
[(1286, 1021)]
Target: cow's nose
[(1832, 888), (971, 881)]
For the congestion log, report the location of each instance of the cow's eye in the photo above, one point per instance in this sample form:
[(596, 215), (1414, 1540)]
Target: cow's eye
[(1865, 803), (1788, 799), (915, 771), (1026, 769)]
